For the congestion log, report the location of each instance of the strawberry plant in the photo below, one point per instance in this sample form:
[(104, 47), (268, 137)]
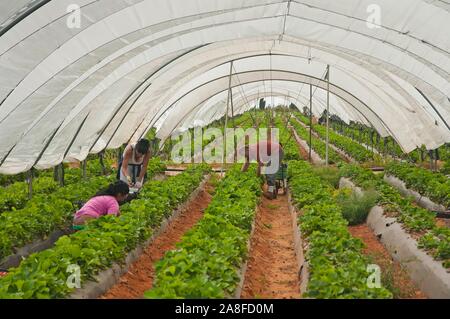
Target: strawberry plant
[(15, 196), (434, 185), (206, 261), (317, 145), (338, 268), (290, 146), (104, 241), (45, 213), (350, 147), (437, 242), (414, 218)]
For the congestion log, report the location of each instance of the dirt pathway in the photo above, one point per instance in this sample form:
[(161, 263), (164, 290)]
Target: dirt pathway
[(140, 275), (272, 270), (302, 151), (394, 277)]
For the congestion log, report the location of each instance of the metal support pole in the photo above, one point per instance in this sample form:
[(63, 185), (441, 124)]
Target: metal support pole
[(234, 126), (30, 183), (61, 175), (436, 158), (310, 122), (101, 156), (119, 156), (84, 164), (56, 173), (371, 141), (226, 117), (328, 117), (430, 153)]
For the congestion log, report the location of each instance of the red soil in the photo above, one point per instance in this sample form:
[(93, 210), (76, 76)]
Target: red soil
[(394, 276), (140, 275), (443, 222), (303, 153), (272, 270)]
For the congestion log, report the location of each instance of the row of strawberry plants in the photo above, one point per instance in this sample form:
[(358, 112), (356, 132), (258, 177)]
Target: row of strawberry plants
[(104, 241), (206, 261), (317, 144), (394, 149), (434, 239), (434, 185), (15, 196), (338, 268), (350, 147), (45, 213), (290, 146), (363, 133)]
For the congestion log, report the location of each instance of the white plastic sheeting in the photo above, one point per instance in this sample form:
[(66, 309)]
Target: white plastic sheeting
[(246, 97), (65, 92)]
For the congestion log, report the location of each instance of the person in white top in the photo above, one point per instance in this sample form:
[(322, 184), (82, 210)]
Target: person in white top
[(134, 163)]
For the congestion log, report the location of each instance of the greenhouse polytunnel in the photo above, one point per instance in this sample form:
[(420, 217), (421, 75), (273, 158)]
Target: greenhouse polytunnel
[(224, 149)]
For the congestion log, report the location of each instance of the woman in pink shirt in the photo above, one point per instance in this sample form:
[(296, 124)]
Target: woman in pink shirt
[(106, 202)]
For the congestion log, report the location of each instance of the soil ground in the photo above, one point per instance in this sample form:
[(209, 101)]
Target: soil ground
[(139, 277), (303, 153), (272, 270), (394, 276)]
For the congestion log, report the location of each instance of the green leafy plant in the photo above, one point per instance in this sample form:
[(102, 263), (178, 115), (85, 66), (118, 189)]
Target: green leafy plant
[(317, 144), (330, 175), (43, 214), (414, 218), (355, 208), (338, 268), (434, 185), (206, 261), (49, 211), (350, 147), (437, 242), (104, 241)]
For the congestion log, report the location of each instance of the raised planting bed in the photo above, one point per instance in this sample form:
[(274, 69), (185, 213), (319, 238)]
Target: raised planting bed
[(421, 200), (38, 245), (429, 275), (243, 270), (321, 142), (46, 217), (337, 266), (317, 144), (299, 246), (433, 186), (210, 260), (290, 148), (43, 215), (315, 158), (106, 279), (104, 242), (416, 220), (349, 148)]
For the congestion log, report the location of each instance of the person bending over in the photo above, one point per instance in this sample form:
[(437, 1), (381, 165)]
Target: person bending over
[(105, 202), (269, 155), (134, 163)]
